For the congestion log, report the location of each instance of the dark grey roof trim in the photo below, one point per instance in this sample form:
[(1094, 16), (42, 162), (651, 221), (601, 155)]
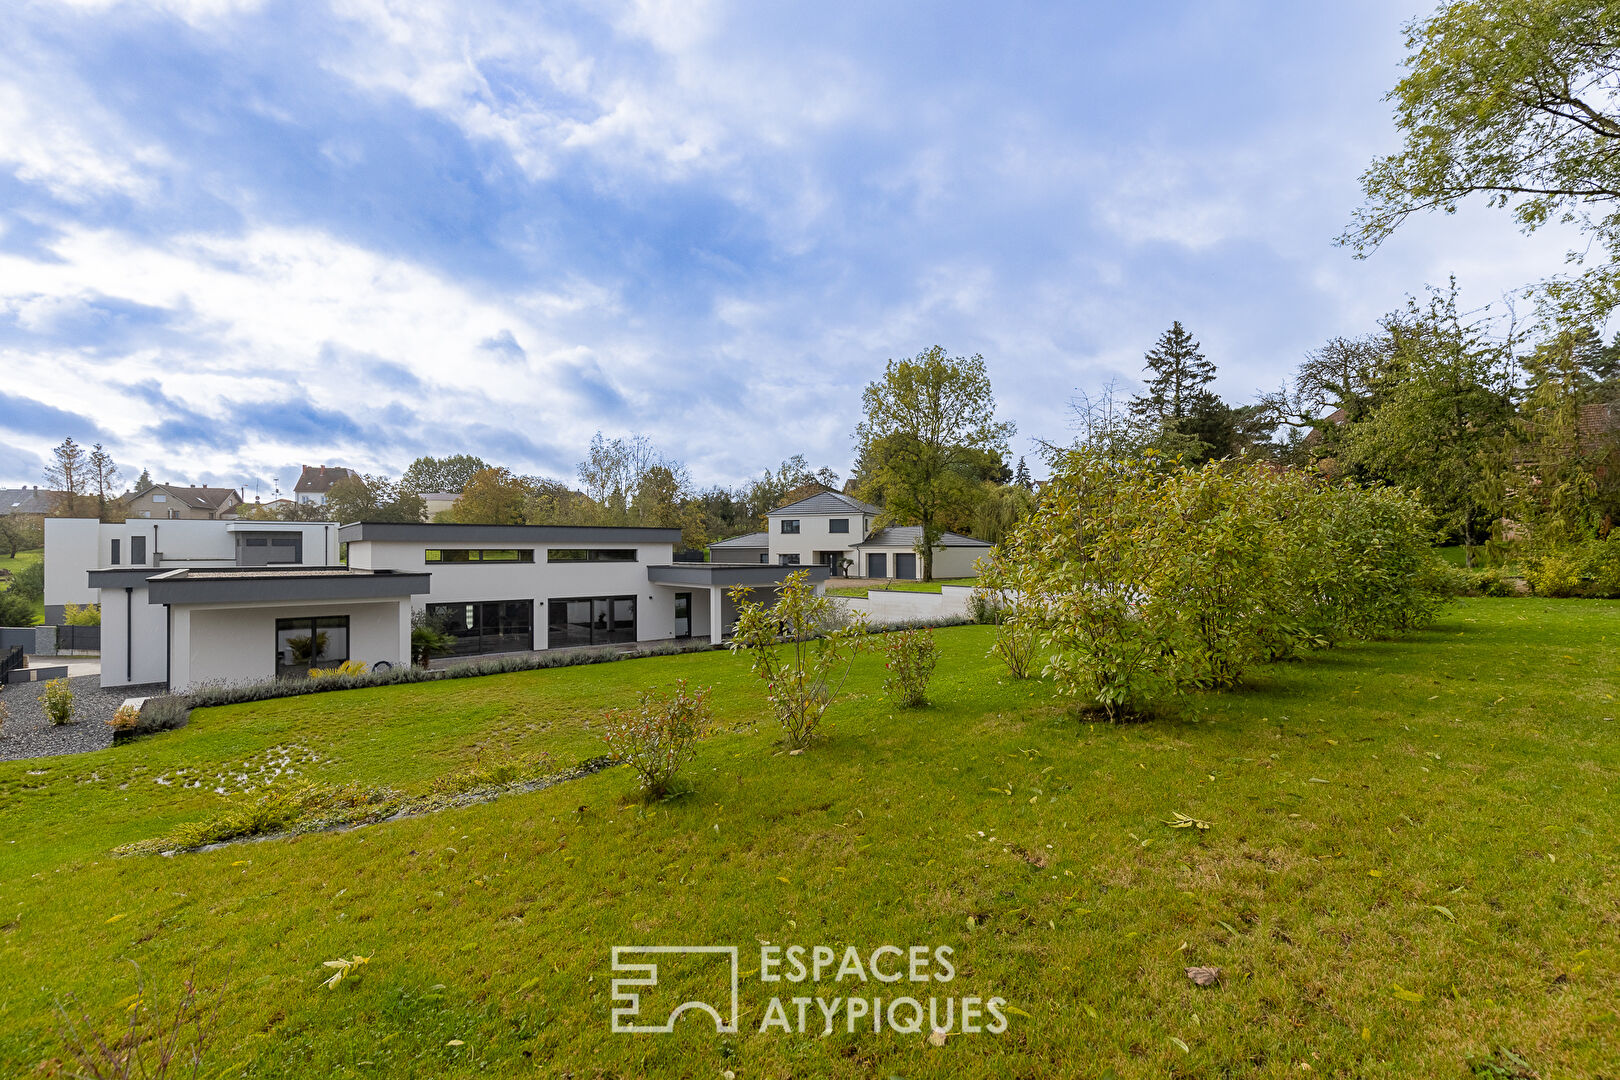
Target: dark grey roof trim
[(505, 534), (122, 577), (256, 586), (827, 502), (728, 574), (746, 540)]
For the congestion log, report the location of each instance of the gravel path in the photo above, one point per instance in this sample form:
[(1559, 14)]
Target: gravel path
[(27, 733)]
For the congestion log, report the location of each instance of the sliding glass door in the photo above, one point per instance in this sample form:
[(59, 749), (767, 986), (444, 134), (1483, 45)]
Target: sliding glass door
[(604, 620), (486, 626)]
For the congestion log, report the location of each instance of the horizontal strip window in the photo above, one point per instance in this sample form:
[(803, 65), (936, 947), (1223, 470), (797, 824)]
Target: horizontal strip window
[(591, 555), (479, 555)]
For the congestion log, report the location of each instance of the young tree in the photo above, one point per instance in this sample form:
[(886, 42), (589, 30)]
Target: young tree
[(1515, 101), (451, 473), (21, 532), (70, 474), (929, 423), (143, 481), (1021, 476)]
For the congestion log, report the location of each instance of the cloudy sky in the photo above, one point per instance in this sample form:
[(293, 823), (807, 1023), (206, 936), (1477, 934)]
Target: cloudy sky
[(237, 236)]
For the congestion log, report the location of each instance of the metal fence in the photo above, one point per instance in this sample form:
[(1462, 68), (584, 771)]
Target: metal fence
[(78, 638), (11, 661)]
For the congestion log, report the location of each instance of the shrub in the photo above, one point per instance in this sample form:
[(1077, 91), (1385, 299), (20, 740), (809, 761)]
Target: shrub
[(1015, 646), (143, 1038), (428, 636), (985, 607), (88, 615), (349, 669), (302, 808), (28, 582), (659, 735), (802, 648), (1494, 581), (1602, 565), (15, 610), (58, 701), (1557, 573), (909, 659), (156, 714)]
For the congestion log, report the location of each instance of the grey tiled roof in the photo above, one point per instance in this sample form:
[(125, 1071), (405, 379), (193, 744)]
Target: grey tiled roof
[(908, 535), (28, 500), (827, 502), (747, 540)]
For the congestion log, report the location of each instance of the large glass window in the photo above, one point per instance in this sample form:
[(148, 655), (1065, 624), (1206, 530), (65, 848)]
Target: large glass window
[(591, 555), (606, 620), (788, 560), (486, 626), (790, 525), (479, 555), (302, 644)]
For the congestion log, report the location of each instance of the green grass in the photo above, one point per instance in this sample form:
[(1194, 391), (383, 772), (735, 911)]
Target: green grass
[(14, 564), (1473, 767)]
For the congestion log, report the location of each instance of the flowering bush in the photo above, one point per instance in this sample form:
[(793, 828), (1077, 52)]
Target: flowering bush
[(657, 736), (59, 701), (910, 656), (124, 720), (802, 648)]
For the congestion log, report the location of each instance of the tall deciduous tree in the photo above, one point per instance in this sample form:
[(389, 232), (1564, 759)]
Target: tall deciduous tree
[(1518, 102), (1448, 406), (930, 422), (69, 473), (492, 497), (103, 478), (372, 498), (451, 473)]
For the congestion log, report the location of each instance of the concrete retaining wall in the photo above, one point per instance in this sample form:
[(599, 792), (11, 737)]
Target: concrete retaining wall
[(952, 601)]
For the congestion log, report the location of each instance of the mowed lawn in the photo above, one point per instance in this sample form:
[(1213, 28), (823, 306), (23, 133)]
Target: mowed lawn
[(1411, 865)]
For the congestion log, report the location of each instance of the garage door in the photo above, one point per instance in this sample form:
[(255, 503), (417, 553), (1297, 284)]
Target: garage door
[(877, 566), (905, 567)]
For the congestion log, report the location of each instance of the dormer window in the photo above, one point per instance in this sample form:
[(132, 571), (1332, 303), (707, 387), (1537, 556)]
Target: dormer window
[(838, 525), (790, 526)]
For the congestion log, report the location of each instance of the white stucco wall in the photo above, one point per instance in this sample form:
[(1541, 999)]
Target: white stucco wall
[(146, 658), (897, 606), (539, 581), (75, 546), (814, 535), (222, 643)]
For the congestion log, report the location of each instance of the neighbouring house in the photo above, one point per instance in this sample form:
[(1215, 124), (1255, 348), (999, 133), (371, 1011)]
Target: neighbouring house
[(176, 502), (839, 532), (314, 481), (493, 588), (29, 500), (893, 553), (437, 502)]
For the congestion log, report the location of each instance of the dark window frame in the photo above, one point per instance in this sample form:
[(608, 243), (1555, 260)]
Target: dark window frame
[(115, 545), (838, 525), (316, 623), (137, 551), (503, 633), (480, 556), (786, 530), (579, 555), (608, 634)]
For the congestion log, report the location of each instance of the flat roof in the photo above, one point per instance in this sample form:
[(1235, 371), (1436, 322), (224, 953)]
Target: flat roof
[(265, 584), (505, 535), (728, 574)]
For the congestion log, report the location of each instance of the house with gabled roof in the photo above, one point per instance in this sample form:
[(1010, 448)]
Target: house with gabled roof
[(177, 502), (841, 532), (314, 481)]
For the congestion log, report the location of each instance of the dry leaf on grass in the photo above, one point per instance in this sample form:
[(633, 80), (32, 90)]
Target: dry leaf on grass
[(1204, 976), (938, 1037)]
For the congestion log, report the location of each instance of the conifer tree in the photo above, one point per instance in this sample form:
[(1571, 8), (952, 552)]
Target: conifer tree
[(1179, 374)]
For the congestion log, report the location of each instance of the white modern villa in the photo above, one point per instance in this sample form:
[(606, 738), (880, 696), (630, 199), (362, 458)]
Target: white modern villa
[(192, 602), (835, 530)]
